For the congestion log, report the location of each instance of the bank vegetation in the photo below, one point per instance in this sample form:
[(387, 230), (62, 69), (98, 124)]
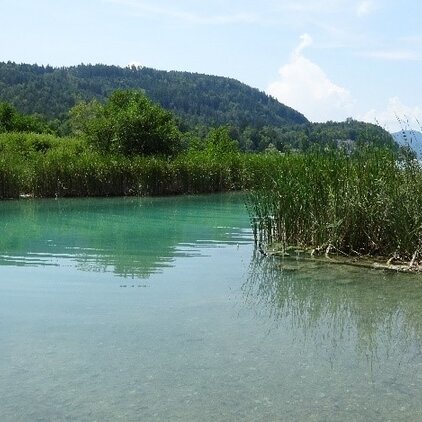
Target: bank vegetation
[(367, 203), (359, 198)]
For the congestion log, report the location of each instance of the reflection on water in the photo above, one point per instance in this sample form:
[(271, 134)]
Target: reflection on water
[(370, 321), (218, 332), (380, 310), (132, 237)]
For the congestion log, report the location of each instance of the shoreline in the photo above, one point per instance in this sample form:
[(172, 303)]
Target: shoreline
[(375, 262)]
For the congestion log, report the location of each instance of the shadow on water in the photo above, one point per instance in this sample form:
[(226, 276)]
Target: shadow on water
[(131, 237), (331, 307)]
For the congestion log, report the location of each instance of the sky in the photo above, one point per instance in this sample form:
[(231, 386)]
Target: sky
[(328, 59)]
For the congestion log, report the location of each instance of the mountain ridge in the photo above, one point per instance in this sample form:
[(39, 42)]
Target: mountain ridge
[(256, 120), (197, 99)]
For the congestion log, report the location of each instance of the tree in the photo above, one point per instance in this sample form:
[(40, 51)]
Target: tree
[(12, 121), (82, 115), (128, 123), (219, 141), (7, 117)]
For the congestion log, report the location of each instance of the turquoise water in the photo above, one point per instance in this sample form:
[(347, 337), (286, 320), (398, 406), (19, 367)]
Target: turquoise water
[(160, 309)]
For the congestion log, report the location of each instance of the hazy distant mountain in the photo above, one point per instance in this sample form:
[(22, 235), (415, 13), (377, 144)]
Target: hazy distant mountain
[(195, 98), (410, 138)]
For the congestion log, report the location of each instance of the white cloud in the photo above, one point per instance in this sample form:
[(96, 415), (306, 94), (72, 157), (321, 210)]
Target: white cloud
[(365, 7), (395, 116), (305, 41), (304, 86)]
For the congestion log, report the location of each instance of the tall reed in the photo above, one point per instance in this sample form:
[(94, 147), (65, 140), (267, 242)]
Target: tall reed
[(365, 203), (47, 166)]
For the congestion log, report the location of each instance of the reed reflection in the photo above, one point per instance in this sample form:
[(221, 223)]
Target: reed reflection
[(377, 315)]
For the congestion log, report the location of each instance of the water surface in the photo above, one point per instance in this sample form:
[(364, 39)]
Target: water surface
[(160, 309)]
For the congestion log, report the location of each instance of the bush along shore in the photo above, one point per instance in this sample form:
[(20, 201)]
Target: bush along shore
[(43, 166), (363, 208), (127, 146)]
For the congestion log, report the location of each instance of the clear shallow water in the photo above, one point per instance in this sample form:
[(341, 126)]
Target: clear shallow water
[(159, 309)]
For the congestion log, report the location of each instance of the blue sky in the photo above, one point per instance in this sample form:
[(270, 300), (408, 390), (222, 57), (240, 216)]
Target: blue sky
[(329, 59)]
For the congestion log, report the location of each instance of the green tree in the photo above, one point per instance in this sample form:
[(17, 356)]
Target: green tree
[(7, 117), (128, 123), (12, 121), (82, 115), (219, 141)]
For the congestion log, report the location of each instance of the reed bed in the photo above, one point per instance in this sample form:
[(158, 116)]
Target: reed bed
[(367, 203), (46, 166)]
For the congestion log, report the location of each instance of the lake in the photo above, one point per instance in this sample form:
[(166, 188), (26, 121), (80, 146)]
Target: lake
[(161, 309)]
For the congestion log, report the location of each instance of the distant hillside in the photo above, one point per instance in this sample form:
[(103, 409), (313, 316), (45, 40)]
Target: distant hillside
[(197, 99), (257, 121), (347, 134), (410, 138)]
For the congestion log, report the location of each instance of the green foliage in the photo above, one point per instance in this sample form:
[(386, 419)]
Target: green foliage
[(12, 121), (81, 116), (49, 166), (27, 146), (7, 117), (366, 202), (128, 123), (198, 100), (219, 142), (11, 175), (345, 135)]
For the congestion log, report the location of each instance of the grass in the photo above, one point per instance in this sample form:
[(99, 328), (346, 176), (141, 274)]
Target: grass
[(46, 166), (366, 203)]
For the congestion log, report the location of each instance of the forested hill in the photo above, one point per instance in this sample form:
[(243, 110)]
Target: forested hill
[(197, 99)]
